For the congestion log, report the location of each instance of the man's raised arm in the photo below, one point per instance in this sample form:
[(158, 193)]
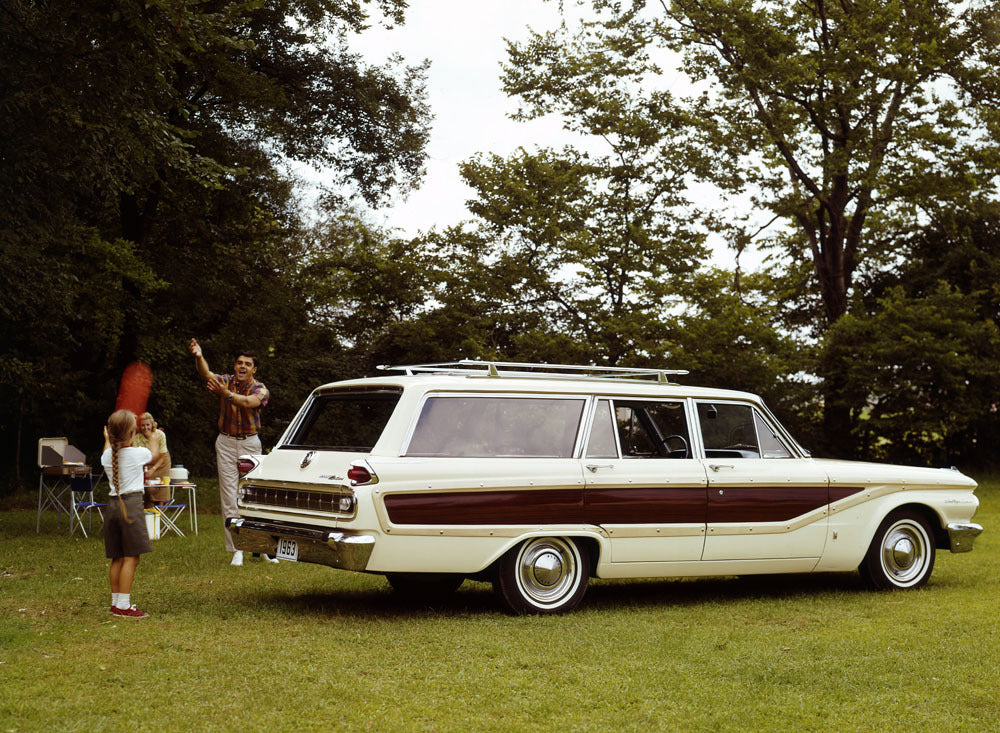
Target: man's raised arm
[(199, 360)]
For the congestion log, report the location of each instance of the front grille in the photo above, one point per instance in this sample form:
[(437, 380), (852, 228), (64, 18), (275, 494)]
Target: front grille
[(309, 500)]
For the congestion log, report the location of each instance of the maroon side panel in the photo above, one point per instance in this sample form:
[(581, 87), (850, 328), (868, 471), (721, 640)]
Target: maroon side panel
[(842, 492), (646, 505), (611, 505), (544, 506), (763, 503)]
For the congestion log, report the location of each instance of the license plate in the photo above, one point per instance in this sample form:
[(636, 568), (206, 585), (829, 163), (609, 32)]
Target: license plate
[(287, 550)]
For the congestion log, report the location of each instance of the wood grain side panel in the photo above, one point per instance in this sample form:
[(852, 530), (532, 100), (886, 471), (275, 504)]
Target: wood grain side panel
[(743, 504), (842, 492), (656, 505), (542, 506)]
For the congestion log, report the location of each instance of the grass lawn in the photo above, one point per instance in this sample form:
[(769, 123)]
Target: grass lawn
[(293, 646)]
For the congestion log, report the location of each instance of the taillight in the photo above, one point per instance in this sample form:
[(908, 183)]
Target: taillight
[(245, 465), (359, 475)]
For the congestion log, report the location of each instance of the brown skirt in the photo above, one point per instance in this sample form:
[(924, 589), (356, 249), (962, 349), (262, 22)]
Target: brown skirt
[(125, 537)]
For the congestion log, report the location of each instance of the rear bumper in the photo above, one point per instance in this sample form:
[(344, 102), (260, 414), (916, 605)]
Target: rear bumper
[(345, 550), (962, 535)]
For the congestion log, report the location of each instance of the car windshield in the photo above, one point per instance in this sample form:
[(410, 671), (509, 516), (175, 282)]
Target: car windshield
[(345, 421)]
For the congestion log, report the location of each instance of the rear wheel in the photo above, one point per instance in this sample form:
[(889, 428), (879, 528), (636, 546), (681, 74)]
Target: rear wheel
[(424, 585), (901, 555), (543, 575)]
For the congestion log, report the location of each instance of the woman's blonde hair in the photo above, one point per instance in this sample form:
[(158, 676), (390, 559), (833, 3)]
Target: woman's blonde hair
[(152, 419), (121, 428)]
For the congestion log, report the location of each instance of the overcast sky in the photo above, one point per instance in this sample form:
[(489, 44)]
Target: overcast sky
[(464, 40)]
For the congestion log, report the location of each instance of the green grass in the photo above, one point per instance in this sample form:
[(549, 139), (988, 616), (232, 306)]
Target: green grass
[(289, 647)]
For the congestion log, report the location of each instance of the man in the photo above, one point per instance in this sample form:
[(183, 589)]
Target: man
[(241, 399)]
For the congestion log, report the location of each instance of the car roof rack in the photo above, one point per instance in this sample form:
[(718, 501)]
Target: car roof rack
[(528, 370)]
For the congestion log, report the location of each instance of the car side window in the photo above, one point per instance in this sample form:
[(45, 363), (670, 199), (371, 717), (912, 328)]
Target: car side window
[(648, 429), (728, 430), (602, 433), (770, 445), (497, 427)]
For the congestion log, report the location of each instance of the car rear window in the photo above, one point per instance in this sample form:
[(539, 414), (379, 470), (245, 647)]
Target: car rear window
[(487, 427), (345, 421)]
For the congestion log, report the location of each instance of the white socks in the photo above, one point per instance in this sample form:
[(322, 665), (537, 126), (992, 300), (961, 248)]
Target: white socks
[(120, 600), (238, 557)]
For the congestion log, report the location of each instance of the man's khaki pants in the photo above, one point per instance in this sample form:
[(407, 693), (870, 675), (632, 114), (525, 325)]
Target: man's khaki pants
[(227, 453)]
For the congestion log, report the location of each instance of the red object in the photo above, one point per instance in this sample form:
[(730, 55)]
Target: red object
[(131, 612), (245, 465), (133, 392), (358, 475)]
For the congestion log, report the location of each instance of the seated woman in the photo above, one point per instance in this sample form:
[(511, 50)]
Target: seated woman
[(147, 435)]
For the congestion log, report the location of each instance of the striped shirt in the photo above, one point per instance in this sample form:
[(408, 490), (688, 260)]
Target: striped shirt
[(237, 420)]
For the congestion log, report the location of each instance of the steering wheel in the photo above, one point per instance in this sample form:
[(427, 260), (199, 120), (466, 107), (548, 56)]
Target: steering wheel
[(683, 441)]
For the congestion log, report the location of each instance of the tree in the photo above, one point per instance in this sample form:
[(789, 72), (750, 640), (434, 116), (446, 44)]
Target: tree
[(601, 241), (145, 187), (924, 347), (845, 120), (917, 370)]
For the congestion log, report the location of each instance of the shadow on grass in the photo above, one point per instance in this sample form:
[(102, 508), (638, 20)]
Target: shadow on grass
[(475, 598), (695, 591)]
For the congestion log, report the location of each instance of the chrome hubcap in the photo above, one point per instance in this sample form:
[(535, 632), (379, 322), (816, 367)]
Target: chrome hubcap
[(904, 552), (547, 570)]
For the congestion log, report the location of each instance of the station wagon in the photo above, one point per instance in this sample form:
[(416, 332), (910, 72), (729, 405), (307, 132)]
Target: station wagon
[(538, 477)]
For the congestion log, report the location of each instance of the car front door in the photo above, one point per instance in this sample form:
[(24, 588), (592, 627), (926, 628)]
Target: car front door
[(764, 501), (644, 485)]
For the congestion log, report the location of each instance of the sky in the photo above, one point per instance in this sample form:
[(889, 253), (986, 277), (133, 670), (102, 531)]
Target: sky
[(464, 40)]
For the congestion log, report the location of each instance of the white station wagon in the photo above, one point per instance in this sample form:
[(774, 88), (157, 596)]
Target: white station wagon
[(538, 477)]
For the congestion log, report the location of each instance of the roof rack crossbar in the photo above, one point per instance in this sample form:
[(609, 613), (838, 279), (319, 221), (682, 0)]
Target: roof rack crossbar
[(472, 367)]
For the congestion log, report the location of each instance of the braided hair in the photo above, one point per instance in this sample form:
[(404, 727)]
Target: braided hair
[(121, 428)]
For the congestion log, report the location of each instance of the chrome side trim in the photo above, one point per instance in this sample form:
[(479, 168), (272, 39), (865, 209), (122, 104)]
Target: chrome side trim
[(344, 550), (962, 535)]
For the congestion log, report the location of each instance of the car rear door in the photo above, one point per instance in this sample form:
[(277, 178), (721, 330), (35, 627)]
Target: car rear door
[(644, 485)]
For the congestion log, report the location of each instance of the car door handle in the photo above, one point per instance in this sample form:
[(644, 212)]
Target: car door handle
[(593, 467), (718, 466)]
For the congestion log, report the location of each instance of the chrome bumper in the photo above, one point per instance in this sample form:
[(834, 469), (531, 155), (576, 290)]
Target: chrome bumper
[(962, 535), (322, 546)]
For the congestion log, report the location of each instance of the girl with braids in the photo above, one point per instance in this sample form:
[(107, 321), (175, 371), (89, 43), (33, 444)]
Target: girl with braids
[(125, 536)]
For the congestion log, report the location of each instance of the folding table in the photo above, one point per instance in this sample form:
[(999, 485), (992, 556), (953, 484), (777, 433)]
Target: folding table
[(59, 463)]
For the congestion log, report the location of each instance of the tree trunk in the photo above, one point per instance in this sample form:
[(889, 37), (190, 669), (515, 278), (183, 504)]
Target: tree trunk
[(834, 267)]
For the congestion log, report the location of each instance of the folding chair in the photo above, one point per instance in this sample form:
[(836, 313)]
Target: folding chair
[(81, 491), (169, 514)]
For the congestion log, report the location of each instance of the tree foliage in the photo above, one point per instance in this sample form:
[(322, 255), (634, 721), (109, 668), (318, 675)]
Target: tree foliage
[(147, 196), (848, 124), (924, 347)]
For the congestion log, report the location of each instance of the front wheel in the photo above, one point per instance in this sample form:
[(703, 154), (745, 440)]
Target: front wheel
[(543, 575), (901, 555)]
